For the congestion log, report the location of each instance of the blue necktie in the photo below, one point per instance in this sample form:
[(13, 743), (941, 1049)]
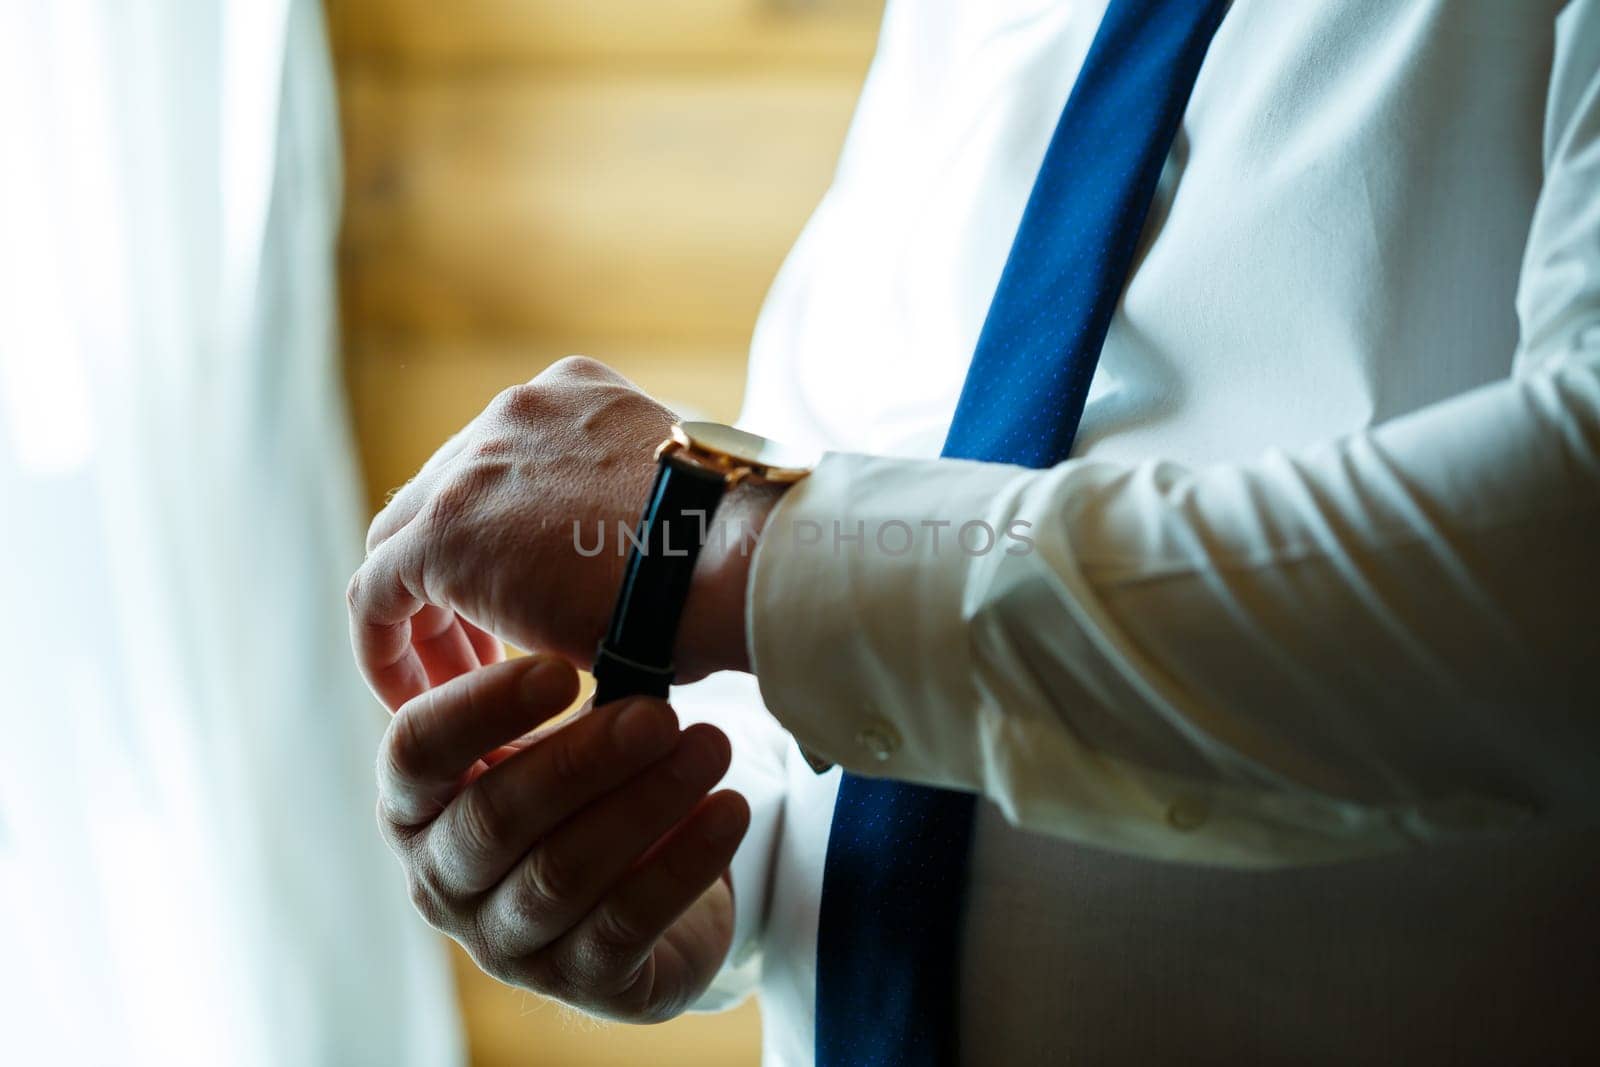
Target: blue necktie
[(895, 876)]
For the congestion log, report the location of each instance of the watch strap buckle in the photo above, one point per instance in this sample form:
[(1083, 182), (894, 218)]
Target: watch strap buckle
[(617, 676)]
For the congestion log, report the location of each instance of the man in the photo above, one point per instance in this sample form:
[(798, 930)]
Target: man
[(1283, 720)]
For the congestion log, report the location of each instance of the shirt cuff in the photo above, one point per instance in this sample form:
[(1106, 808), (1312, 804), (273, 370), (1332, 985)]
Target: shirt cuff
[(858, 575)]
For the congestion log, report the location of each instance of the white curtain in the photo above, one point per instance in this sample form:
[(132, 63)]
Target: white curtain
[(189, 869)]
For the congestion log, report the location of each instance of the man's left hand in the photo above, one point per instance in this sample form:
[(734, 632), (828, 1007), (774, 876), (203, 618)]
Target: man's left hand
[(481, 544)]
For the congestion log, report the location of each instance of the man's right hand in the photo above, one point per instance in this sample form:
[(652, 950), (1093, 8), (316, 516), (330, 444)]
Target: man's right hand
[(583, 860)]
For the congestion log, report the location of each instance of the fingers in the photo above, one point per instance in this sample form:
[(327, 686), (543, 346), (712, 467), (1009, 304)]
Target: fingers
[(486, 646), (495, 821), (382, 597), (402, 643), (442, 644), (618, 949), (649, 900), (578, 862), (436, 738)]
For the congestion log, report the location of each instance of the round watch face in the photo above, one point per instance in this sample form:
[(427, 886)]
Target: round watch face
[(770, 459)]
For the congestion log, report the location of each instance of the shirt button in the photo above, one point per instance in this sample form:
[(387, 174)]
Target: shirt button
[(1187, 814), (879, 739)]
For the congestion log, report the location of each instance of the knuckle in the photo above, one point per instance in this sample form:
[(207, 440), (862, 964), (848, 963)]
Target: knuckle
[(427, 895), (646, 1010), (485, 821), (614, 404), (394, 834), (553, 974), (598, 980), (352, 594), (678, 869), (522, 403), (550, 878), (497, 965), (506, 398), (576, 366), (484, 950), (569, 764), (615, 933), (612, 971)]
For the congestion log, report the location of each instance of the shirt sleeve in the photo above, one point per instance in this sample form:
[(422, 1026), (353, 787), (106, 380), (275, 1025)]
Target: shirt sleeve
[(1389, 639)]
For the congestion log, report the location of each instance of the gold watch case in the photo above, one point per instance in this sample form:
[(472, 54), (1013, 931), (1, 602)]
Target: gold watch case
[(735, 454)]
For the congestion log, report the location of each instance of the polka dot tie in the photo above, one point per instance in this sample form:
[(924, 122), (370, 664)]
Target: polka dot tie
[(889, 928)]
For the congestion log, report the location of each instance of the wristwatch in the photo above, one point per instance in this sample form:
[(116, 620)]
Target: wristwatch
[(696, 465)]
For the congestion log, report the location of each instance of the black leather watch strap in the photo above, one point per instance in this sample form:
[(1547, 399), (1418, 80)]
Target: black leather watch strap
[(635, 656)]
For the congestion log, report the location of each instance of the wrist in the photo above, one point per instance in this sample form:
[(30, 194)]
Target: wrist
[(713, 634)]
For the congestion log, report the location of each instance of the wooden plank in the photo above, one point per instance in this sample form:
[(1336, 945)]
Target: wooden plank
[(688, 34), (631, 206)]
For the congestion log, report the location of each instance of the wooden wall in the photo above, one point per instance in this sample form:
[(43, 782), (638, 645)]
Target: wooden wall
[(531, 178)]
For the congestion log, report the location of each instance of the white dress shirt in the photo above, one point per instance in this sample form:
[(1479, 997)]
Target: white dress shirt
[(1321, 584)]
